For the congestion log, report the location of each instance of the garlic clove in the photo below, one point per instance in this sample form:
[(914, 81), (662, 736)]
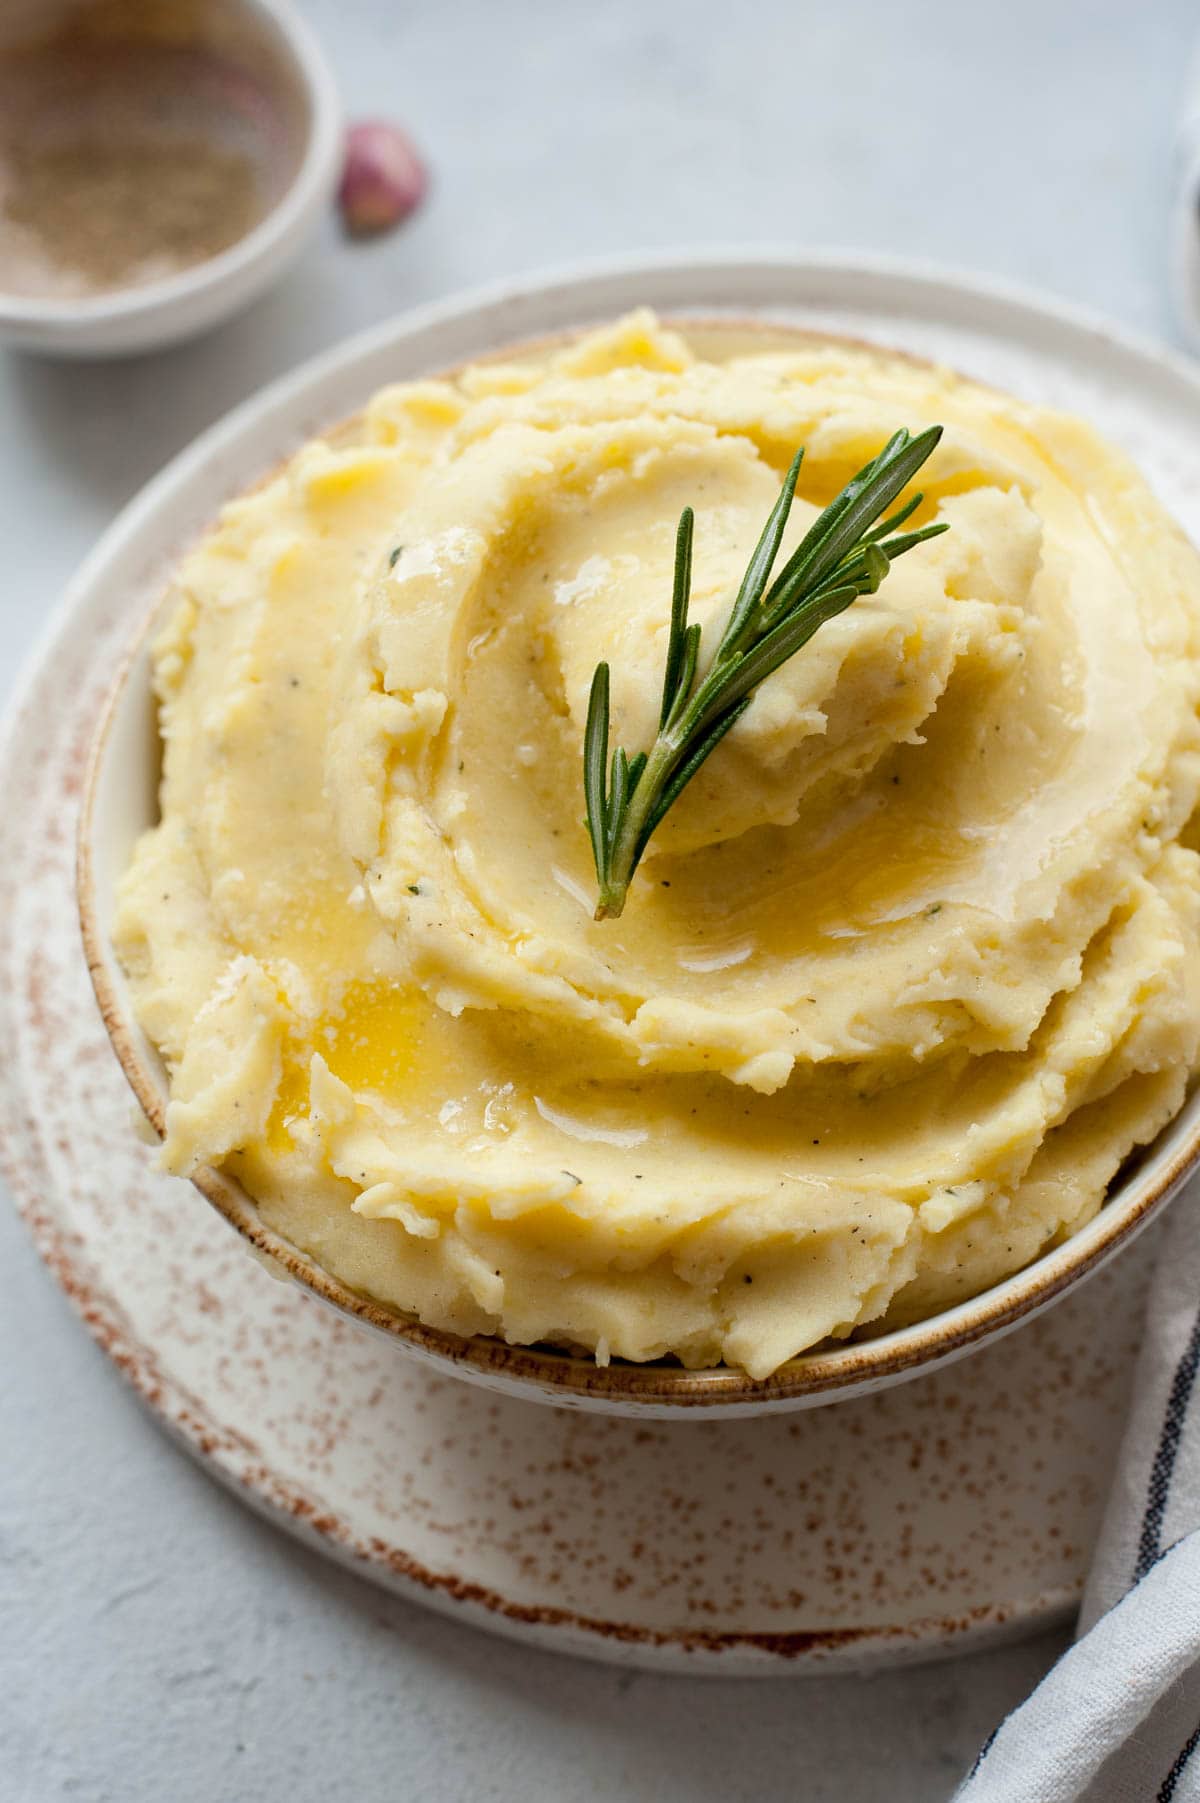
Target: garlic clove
[(384, 179)]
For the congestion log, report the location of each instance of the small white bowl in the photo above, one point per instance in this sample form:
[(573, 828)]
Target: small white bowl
[(120, 800), (125, 320)]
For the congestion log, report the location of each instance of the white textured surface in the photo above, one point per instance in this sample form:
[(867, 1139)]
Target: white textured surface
[(156, 1641)]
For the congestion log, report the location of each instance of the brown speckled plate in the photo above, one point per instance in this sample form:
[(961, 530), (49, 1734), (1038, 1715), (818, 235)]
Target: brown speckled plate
[(906, 1524)]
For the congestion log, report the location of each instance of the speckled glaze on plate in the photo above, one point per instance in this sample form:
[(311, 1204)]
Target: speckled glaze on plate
[(956, 1509)]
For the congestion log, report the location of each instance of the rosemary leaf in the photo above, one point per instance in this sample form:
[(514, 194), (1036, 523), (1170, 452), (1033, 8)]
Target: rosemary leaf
[(595, 757), (679, 612), (759, 569)]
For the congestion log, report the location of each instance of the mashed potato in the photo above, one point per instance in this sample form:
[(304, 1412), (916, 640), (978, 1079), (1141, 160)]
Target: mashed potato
[(906, 973)]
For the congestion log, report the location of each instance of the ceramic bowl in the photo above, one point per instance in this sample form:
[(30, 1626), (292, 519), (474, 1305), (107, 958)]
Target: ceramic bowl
[(120, 800), (263, 78)]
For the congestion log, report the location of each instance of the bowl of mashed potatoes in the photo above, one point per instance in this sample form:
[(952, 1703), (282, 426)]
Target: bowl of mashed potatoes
[(890, 1044)]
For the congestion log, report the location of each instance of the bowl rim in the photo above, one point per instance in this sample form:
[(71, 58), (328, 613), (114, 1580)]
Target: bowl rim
[(308, 188), (821, 1375)]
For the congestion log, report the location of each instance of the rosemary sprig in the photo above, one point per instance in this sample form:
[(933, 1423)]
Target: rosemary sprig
[(844, 554)]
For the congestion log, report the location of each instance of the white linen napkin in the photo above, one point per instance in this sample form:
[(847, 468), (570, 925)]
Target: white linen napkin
[(1118, 1718)]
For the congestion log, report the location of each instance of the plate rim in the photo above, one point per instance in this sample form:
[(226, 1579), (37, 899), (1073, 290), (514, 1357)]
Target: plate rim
[(787, 1651)]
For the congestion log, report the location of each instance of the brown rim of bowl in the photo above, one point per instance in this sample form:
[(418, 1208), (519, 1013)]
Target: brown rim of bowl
[(828, 1371)]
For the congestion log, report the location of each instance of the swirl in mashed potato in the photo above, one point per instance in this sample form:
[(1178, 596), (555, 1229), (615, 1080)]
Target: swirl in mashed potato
[(907, 972)]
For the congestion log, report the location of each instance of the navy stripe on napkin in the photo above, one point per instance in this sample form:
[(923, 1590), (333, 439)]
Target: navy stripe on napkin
[(1163, 1468), (1167, 1789)]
